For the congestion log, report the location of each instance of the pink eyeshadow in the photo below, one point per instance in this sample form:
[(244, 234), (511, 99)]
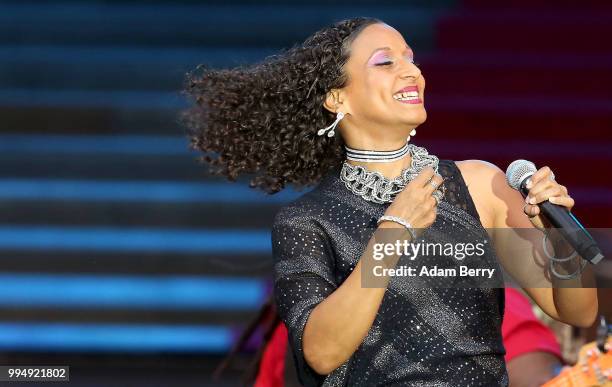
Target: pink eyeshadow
[(378, 58)]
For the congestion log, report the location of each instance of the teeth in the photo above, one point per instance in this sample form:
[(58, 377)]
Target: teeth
[(406, 95)]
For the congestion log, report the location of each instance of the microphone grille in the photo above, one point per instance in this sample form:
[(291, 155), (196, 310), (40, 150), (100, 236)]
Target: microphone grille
[(517, 171)]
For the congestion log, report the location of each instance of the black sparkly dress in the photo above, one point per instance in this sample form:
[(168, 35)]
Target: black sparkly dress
[(421, 336)]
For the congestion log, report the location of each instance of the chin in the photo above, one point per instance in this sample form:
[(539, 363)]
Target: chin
[(417, 118)]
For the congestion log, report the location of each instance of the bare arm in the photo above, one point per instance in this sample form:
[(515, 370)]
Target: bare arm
[(337, 326), (573, 305), (532, 369)]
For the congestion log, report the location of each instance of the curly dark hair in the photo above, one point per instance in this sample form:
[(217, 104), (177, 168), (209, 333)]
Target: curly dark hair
[(262, 119)]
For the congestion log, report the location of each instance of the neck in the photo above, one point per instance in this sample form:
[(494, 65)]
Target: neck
[(390, 170)]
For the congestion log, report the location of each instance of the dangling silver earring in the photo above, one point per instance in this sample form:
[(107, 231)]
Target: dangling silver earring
[(331, 127)]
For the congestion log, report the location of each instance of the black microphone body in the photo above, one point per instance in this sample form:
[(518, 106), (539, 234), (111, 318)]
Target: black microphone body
[(569, 227)]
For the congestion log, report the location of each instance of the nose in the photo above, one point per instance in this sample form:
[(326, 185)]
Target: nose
[(410, 70)]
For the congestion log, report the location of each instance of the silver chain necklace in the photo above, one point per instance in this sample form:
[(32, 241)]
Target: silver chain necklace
[(374, 187)]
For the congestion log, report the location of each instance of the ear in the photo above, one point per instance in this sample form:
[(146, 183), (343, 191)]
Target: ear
[(333, 100)]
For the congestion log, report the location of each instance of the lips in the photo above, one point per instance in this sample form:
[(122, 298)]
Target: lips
[(412, 101), (409, 95), (407, 89)]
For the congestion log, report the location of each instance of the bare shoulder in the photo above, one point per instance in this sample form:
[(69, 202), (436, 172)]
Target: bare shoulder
[(484, 181), (478, 170)]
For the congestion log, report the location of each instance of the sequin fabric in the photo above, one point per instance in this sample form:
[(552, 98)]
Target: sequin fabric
[(420, 336)]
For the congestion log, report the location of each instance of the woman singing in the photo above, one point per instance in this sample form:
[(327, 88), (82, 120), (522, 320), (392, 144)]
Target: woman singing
[(338, 111)]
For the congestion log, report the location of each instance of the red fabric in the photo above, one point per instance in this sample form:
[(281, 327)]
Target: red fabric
[(272, 369), (522, 331)]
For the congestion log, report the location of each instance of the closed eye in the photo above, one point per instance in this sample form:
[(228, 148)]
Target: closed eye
[(388, 63)]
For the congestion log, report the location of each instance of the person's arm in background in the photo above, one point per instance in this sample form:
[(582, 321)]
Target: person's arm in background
[(532, 369), (533, 355)]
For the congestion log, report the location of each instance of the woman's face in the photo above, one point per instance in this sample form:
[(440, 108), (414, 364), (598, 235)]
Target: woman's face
[(379, 67)]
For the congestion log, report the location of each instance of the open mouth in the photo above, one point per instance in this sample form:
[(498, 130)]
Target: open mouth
[(409, 94)]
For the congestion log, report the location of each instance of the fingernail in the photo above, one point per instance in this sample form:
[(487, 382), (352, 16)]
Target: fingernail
[(532, 201), (529, 184)]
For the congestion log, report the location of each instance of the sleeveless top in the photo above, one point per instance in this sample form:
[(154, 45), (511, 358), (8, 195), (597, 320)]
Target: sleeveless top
[(436, 336)]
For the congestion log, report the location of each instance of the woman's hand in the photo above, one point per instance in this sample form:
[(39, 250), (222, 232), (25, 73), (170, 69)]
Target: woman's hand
[(543, 187), (416, 203)]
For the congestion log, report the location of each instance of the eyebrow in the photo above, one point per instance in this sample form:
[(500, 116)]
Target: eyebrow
[(385, 49)]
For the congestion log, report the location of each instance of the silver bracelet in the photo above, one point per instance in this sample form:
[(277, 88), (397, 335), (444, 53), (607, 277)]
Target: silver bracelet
[(401, 221), (552, 260), (555, 259), (573, 275)]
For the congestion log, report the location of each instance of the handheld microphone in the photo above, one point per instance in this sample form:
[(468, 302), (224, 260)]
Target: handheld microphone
[(518, 174)]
